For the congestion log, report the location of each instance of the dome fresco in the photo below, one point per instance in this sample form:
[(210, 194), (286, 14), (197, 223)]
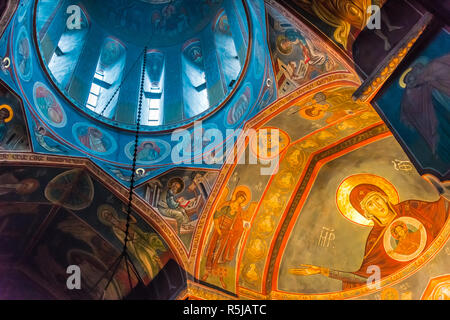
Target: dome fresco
[(153, 24), (194, 58), (88, 80), (224, 149)]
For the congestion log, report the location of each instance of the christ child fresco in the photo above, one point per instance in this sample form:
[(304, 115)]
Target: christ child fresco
[(407, 241)]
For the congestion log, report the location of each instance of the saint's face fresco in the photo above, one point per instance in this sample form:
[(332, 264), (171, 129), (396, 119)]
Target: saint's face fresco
[(93, 139)]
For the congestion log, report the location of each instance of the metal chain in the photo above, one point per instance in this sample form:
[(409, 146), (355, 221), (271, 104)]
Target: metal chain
[(123, 80), (124, 254), (136, 142)]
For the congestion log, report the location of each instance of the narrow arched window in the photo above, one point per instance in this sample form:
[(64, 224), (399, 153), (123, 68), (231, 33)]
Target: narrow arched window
[(229, 63), (67, 52), (195, 93), (154, 88), (107, 78), (49, 15)]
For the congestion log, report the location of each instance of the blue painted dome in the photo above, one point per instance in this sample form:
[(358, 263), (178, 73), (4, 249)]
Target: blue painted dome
[(195, 55), (82, 75)]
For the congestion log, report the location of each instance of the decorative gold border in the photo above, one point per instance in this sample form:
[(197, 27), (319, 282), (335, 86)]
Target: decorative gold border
[(200, 292)]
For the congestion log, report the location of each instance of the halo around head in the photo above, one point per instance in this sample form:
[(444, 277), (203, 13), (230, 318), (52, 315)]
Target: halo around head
[(107, 208), (402, 78), (287, 51), (347, 185), (179, 180), (101, 213), (11, 112), (247, 192)]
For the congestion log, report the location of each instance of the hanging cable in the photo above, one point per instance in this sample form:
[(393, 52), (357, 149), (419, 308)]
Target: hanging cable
[(144, 52), (136, 143), (124, 255), (122, 82)]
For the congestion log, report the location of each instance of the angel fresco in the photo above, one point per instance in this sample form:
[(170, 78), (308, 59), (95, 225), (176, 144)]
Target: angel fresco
[(238, 110), (23, 55), (426, 101), (401, 230), (48, 106), (46, 142), (297, 57), (228, 227)]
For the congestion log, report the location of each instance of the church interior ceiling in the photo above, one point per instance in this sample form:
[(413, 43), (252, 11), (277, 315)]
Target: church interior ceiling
[(227, 149)]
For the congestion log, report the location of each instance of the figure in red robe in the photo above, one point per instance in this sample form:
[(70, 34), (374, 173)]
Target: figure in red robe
[(93, 139), (228, 228), (411, 227)]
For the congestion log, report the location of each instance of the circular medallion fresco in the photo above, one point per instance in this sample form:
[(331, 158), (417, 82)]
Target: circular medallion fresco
[(405, 239), (148, 151), (48, 106), (24, 64), (269, 143), (94, 139)]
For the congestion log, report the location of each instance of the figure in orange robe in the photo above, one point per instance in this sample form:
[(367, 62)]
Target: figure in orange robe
[(228, 228)]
